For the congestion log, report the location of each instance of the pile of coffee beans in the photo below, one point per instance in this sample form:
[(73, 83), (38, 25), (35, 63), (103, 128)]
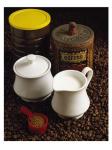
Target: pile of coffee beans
[(93, 126)]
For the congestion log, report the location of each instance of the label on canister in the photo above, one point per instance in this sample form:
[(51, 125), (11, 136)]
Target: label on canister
[(71, 58), (71, 47)]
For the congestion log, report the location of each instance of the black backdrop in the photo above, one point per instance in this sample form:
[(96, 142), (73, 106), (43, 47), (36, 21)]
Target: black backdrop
[(96, 18)]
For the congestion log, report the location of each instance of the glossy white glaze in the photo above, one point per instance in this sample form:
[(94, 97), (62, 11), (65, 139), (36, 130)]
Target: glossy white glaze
[(33, 87), (70, 101)]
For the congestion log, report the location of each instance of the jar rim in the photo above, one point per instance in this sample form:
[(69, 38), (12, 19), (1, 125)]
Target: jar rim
[(20, 19)]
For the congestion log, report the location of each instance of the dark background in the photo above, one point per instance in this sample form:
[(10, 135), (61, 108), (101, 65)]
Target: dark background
[(93, 126), (96, 18)]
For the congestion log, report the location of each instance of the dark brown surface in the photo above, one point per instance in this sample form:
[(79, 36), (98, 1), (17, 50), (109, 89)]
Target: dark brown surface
[(92, 126)]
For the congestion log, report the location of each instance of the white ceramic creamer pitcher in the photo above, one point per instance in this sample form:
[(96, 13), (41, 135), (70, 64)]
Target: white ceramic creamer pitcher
[(70, 97)]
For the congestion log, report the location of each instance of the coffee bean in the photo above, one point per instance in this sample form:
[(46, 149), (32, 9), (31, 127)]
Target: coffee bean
[(92, 126)]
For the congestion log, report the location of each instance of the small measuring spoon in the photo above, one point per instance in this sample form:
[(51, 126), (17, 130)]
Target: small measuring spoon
[(37, 122)]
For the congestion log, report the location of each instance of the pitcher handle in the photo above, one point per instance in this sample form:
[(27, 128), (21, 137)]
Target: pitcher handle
[(88, 72)]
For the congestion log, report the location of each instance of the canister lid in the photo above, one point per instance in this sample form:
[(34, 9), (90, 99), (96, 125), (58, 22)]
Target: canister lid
[(32, 66), (72, 34), (29, 19)]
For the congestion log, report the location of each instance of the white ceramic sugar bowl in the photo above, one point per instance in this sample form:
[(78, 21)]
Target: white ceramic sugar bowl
[(33, 81)]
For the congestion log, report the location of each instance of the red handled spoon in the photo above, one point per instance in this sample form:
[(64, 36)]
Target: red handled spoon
[(37, 122)]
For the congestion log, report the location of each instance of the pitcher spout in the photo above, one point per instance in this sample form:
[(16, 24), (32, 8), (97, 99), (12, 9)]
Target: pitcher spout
[(72, 80)]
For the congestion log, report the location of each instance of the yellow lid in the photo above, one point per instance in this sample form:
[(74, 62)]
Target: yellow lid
[(29, 19)]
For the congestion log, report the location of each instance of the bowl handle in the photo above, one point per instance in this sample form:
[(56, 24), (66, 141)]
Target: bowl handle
[(88, 72)]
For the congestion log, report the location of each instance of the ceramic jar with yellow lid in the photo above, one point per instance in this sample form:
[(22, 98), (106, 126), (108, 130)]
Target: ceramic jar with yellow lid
[(30, 31)]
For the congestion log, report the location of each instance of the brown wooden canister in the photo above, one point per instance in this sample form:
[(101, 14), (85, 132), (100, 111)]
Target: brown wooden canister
[(30, 32), (71, 47)]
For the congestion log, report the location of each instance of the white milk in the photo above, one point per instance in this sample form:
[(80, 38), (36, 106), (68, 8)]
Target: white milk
[(68, 83)]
